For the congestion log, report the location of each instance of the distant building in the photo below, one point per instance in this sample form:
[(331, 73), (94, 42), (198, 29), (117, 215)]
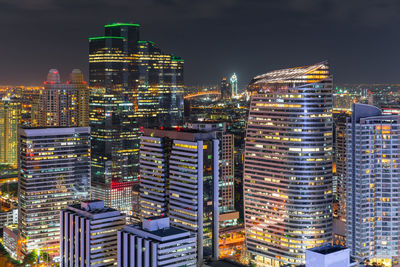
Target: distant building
[(328, 256), (225, 89), (29, 105), (64, 104), (391, 110), (340, 162), (54, 172), (155, 243), (182, 168), (234, 84), (10, 240), (231, 242), (88, 234), (373, 181), (10, 120), (8, 217), (77, 82), (339, 232)]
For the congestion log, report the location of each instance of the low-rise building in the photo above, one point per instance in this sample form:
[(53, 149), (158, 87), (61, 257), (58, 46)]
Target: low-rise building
[(328, 256), (155, 243), (89, 234)]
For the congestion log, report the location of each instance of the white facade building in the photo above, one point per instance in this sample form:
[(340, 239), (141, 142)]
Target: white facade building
[(373, 182), (287, 182), (328, 256), (89, 234), (54, 171), (180, 170), (155, 243)]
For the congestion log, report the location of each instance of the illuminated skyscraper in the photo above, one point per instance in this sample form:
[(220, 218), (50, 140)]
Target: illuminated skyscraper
[(180, 170), (10, 119), (114, 129), (63, 104), (234, 84), (133, 85), (110, 57), (373, 180), (159, 87), (226, 175), (54, 172), (113, 170), (288, 165)]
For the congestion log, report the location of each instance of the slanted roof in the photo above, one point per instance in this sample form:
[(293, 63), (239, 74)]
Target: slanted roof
[(288, 74)]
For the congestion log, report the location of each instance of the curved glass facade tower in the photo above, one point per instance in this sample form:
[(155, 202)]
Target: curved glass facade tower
[(288, 164)]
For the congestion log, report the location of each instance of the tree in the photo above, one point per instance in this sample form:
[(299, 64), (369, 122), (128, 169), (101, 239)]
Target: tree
[(31, 258)]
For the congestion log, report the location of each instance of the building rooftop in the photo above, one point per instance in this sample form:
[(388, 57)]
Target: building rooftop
[(184, 134), (93, 209), (167, 231), (54, 130), (156, 228), (222, 263), (164, 232), (327, 249), (290, 73)]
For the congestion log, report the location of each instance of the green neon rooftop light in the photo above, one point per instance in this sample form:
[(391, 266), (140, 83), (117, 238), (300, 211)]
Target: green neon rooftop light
[(106, 37), (174, 58), (143, 42), (117, 24)]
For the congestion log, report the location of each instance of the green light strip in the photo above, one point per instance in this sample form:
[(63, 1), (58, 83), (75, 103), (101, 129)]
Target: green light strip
[(121, 24), (106, 37), (174, 58), (142, 42)]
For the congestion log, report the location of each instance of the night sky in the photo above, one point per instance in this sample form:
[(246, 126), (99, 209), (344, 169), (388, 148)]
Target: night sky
[(360, 38)]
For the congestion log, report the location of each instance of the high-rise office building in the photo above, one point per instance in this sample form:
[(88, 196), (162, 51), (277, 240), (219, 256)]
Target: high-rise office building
[(113, 170), (373, 180), (54, 171), (234, 84), (63, 104), (10, 119), (186, 164), (154, 171), (159, 87), (226, 182), (77, 82), (29, 99), (113, 128), (110, 57), (88, 234), (143, 87), (288, 165), (155, 243), (225, 89)]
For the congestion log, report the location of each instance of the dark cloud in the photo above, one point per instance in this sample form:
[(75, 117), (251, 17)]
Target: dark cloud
[(215, 37)]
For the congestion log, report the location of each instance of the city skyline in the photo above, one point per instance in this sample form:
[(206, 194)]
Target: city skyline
[(202, 133), (228, 32)]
